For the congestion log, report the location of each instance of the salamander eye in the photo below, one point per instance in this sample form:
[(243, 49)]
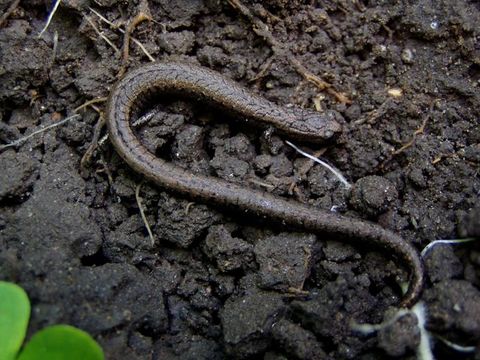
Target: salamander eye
[(325, 124)]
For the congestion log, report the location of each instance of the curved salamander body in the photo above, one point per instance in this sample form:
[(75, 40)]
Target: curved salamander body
[(307, 125)]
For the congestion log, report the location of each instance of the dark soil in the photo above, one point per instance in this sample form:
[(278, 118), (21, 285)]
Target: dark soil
[(220, 285)]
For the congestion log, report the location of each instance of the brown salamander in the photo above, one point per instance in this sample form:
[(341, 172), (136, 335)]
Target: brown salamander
[(213, 88)]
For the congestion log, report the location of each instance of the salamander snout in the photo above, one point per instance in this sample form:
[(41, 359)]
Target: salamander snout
[(319, 127)]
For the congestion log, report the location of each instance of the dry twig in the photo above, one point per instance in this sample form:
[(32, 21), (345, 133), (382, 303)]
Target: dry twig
[(263, 70), (114, 26), (142, 213), (9, 11), (144, 14), (107, 40), (265, 185), (373, 115), (417, 132), (55, 48), (91, 102), (87, 157)]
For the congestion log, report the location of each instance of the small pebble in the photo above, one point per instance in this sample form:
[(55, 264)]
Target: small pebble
[(372, 195)]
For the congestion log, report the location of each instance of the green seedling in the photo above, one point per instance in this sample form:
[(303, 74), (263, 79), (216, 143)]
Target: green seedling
[(57, 342)]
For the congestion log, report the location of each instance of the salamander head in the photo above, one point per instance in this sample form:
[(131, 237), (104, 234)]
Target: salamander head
[(316, 127)]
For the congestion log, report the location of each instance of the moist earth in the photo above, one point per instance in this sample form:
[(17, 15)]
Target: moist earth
[(215, 284)]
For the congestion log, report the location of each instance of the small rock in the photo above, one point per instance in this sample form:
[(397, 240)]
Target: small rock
[(322, 182), (442, 264), (339, 251), (281, 166), (470, 225), (284, 260), (126, 241), (177, 42), (179, 226), (262, 163), (295, 340), (400, 337), (454, 305), (115, 296), (188, 149), (323, 308), (240, 147), (189, 142), (372, 195), (407, 56), (228, 167), (228, 252), (18, 173), (247, 322)]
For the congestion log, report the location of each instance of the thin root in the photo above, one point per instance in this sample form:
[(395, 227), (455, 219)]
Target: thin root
[(188, 207), (449, 242), (298, 292), (106, 170), (456, 347), (90, 102), (87, 157), (107, 40), (55, 47), (417, 132), (304, 169), (50, 17), (96, 141), (43, 129), (373, 115), (334, 171), (22, 139), (262, 184), (264, 68), (142, 213)]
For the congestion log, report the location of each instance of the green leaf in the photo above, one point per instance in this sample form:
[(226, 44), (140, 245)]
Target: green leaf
[(61, 342), (14, 315)]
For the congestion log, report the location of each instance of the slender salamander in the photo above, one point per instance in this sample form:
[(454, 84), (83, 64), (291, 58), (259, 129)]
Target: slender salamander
[(203, 84)]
